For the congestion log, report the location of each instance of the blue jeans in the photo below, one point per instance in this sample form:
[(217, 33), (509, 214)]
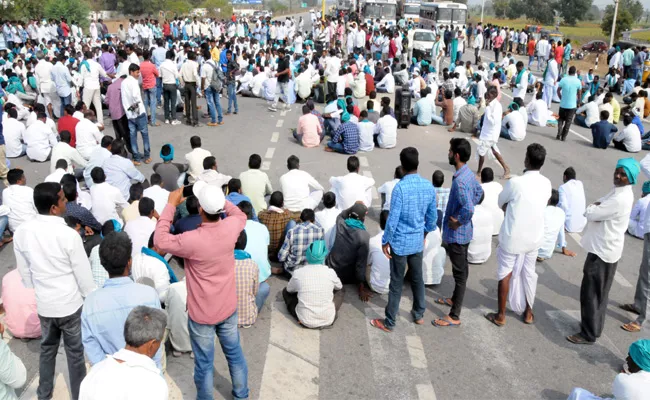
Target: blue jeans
[(397, 269), (135, 125), (202, 339), (338, 147), (64, 102), (159, 90), (232, 96), (262, 293), (213, 102), (331, 125), (150, 103), (4, 221)]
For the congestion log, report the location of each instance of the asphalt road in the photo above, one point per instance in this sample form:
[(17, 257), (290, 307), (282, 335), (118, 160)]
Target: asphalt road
[(353, 360)]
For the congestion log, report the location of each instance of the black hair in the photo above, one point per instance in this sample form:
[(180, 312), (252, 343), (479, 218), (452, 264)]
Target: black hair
[(46, 195), (254, 161), (115, 252), (14, 175), (146, 206), (192, 204), (409, 158), (247, 208), (536, 154), (329, 200), (461, 147), (97, 174), (438, 178), (135, 192), (487, 175), (307, 215), (276, 199), (554, 199), (383, 217), (195, 141), (353, 164), (234, 185), (242, 240), (570, 173), (293, 162), (156, 179)]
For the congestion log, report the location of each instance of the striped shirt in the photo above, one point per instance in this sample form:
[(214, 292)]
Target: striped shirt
[(295, 244), (465, 193), (348, 133), (247, 282)]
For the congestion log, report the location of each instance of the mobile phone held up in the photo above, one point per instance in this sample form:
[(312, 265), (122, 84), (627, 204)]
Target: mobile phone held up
[(187, 191)]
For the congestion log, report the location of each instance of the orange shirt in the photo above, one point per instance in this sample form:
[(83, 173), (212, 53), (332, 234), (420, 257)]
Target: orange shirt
[(531, 48), (149, 73), (559, 54)]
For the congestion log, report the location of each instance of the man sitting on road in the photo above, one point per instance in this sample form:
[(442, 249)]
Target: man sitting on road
[(346, 138), (292, 252), (309, 132), (352, 187), (554, 236)]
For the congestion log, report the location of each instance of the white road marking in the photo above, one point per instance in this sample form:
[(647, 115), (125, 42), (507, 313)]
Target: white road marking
[(580, 136), (266, 165), (293, 355), (279, 123), (363, 161), (269, 152), (425, 392), (618, 277), (368, 174), (275, 136), (283, 113), (416, 352)]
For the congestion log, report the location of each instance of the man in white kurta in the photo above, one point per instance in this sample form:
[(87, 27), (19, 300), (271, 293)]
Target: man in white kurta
[(521, 235), (572, 201)]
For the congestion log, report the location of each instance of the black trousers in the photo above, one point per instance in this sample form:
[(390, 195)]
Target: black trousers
[(121, 128), (291, 300), (597, 280), (564, 122), (460, 270), (191, 113), (331, 88)]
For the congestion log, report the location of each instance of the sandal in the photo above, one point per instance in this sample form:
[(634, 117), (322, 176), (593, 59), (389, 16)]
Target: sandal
[(631, 327), (629, 308), (578, 339), (492, 317), (379, 324), (444, 322), (444, 301), (530, 321)]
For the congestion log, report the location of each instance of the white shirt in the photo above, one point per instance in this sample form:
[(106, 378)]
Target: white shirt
[(634, 386), (527, 195), (351, 188), (538, 113), (326, 219), (63, 151), (97, 158), (177, 316), (105, 200), (480, 248), (379, 265), (43, 75), (13, 131), (572, 201), (631, 138), (144, 266), (387, 190), (50, 257), (607, 223), (130, 96), (592, 113), (139, 231), (386, 129), (138, 378), (553, 231), (491, 128), (366, 131), (638, 215), (458, 102), (159, 196), (20, 200), (491, 191), (516, 125), (387, 82), (195, 160), (91, 78), (520, 89), (315, 285), (55, 176), (88, 137), (39, 140), (168, 72), (296, 186), (213, 177)]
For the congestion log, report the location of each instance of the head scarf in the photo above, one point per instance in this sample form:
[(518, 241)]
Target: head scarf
[(471, 100), (640, 354), (170, 156), (631, 167), (366, 69), (491, 65), (646, 187), (316, 252), (345, 116), (117, 227)]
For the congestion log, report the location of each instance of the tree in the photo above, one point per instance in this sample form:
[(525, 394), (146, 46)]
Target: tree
[(500, 7), (593, 14), (624, 21), (572, 10), (139, 7), (21, 9), (218, 8), (634, 7), (72, 10)]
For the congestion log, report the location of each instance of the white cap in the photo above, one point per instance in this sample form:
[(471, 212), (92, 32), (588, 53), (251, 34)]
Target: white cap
[(211, 198)]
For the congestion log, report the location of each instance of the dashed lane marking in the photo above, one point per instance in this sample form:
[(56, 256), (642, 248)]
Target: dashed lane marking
[(279, 123), (269, 152), (275, 136)]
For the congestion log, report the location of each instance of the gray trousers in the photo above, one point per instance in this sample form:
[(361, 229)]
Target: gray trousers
[(597, 280), (642, 293), (51, 330)]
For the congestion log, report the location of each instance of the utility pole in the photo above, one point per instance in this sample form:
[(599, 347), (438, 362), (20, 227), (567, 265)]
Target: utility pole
[(611, 36), (482, 7), (322, 15)]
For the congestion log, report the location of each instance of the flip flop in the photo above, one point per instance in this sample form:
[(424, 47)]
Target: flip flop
[(444, 323), (444, 301), (492, 317), (631, 327), (530, 322), (629, 308), (379, 324), (578, 339)]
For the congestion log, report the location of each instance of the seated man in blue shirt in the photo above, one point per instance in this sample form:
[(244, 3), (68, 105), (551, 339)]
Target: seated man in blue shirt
[(190, 222), (106, 309), (423, 109), (603, 131), (346, 138), (235, 196)]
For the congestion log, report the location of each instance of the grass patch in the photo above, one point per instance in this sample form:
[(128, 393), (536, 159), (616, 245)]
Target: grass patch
[(641, 36)]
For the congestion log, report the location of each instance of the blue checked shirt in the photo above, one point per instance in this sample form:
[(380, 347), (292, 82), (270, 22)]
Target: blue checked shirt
[(293, 250), (84, 216), (349, 132), (412, 212), (442, 196), (465, 193)]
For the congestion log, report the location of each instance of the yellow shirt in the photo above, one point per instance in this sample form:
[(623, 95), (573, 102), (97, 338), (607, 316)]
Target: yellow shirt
[(215, 53), (616, 109)]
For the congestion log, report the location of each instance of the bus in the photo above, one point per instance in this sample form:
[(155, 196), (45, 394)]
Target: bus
[(409, 10), (384, 10), (439, 14)]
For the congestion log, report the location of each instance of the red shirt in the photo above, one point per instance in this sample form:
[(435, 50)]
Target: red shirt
[(531, 48), (559, 54), (149, 74), (370, 84), (166, 29), (69, 123), (65, 29)]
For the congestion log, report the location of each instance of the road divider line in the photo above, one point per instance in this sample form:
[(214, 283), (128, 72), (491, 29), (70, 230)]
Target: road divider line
[(283, 113), (363, 161), (269, 152), (279, 123), (275, 136), (266, 165)]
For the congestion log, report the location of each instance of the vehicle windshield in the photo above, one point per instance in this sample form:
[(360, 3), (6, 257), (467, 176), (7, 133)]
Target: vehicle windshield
[(372, 11), (412, 10), (424, 37), (444, 14), (388, 11), (459, 17)]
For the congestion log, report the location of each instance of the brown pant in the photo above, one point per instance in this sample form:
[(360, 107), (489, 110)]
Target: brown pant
[(3, 165), (291, 300)]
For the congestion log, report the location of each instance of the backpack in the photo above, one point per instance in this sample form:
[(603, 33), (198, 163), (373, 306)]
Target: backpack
[(216, 80)]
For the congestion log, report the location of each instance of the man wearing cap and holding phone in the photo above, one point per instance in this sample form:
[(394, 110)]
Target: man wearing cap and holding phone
[(208, 254)]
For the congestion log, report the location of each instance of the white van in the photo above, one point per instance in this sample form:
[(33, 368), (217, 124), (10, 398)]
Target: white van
[(421, 44)]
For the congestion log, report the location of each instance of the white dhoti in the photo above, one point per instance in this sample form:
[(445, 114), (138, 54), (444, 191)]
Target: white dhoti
[(523, 283), (548, 95), (433, 258)]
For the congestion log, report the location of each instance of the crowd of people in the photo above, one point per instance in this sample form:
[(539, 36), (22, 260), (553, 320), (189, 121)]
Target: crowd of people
[(96, 243)]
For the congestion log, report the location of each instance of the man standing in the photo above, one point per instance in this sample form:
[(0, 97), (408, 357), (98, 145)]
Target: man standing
[(63, 82), (136, 113), (490, 131), (43, 75), (283, 75), (457, 232), (520, 84), (116, 111), (150, 75), (50, 257), (231, 69), (208, 253), (438, 52), (521, 235), (603, 239), (90, 73), (569, 91), (412, 215), (189, 75)]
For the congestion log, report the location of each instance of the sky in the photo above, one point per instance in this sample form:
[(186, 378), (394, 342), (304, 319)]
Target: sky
[(599, 3)]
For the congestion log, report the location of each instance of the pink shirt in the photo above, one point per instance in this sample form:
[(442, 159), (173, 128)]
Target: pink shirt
[(149, 74), (310, 129), (20, 307), (495, 82), (209, 255)]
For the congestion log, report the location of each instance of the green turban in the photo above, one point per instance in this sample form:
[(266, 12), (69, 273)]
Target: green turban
[(646, 187), (640, 354), (316, 252), (631, 167)]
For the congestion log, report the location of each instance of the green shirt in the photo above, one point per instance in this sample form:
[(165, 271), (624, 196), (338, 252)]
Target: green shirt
[(628, 56)]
